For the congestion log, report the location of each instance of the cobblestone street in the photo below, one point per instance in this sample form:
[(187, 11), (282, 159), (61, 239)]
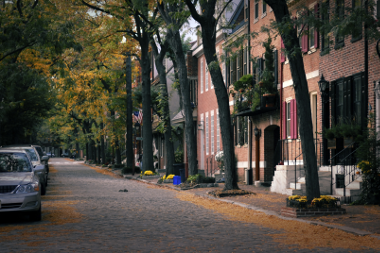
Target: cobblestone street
[(86, 211)]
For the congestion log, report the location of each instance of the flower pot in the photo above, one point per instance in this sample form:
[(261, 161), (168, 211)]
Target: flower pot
[(331, 144), (270, 100), (348, 142)]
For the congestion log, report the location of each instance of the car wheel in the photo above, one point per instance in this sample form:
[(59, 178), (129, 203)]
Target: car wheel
[(35, 215), (43, 189)]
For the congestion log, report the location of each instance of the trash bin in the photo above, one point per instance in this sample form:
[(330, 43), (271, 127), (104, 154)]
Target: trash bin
[(177, 167), (182, 174)]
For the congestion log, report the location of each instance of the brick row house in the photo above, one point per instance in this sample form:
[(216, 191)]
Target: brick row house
[(267, 143)]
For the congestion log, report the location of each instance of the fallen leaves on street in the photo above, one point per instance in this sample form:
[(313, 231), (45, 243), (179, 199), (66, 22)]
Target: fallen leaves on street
[(291, 232)]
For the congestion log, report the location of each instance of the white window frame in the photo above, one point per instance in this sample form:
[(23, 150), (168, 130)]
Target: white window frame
[(206, 77), (212, 126), (202, 76), (217, 131), (207, 132), (288, 115)]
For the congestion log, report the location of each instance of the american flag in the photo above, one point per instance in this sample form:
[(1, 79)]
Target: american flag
[(138, 116)]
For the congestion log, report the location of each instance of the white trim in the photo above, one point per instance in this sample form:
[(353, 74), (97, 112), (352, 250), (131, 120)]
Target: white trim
[(309, 75), (244, 164)]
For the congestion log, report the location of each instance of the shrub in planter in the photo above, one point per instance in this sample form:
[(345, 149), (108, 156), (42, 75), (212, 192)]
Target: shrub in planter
[(118, 166)]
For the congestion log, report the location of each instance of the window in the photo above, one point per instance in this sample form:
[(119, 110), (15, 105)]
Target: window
[(242, 131), (239, 67), (217, 131), (339, 12), (212, 132), (202, 76), (246, 10), (357, 33), (264, 8), (206, 130), (206, 77), (357, 100), (256, 11), (349, 100), (314, 113), (290, 121), (233, 71), (325, 17)]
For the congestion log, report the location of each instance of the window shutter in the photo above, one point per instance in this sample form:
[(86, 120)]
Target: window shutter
[(316, 32), (284, 121), (295, 122), (292, 119), (333, 105), (305, 37), (347, 98), (275, 56), (364, 98), (260, 72), (283, 58)]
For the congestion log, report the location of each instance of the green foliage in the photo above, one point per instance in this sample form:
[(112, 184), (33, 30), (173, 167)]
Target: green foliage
[(369, 162), (198, 179), (344, 130), (178, 155), (267, 81)]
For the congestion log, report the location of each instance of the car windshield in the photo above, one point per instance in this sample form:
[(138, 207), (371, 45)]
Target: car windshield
[(40, 152), (14, 162), (32, 154)]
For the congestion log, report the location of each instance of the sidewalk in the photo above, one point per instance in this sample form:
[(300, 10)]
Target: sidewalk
[(360, 220)]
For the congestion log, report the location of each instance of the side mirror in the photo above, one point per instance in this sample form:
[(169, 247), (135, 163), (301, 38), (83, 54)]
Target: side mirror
[(39, 168), (45, 158)]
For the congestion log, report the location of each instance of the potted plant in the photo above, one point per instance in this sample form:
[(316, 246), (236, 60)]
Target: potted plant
[(267, 82)]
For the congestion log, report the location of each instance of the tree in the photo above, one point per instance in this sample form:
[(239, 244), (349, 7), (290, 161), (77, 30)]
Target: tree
[(174, 16), (208, 20)]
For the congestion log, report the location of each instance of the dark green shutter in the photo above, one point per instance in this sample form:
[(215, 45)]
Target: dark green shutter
[(364, 100), (275, 56), (333, 105), (347, 102)]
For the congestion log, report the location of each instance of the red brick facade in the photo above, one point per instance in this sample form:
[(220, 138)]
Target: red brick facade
[(338, 63)]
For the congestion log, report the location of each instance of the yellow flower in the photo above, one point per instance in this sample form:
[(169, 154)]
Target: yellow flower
[(170, 176)]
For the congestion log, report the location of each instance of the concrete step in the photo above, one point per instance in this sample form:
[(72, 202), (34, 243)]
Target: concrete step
[(355, 185), (298, 186), (349, 192), (294, 192)]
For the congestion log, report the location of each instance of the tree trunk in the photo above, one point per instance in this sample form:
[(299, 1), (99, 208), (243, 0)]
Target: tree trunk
[(129, 141), (221, 93), (146, 103), (118, 152), (301, 90), (191, 147), (166, 111)]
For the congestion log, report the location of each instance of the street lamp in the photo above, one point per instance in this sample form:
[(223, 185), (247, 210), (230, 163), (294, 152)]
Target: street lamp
[(257, 132), (323, 84)]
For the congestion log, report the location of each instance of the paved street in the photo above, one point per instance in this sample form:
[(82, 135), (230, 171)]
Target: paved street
[(84, 211)]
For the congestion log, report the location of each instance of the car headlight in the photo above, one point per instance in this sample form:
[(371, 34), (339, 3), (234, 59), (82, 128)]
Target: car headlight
[(28, 188)]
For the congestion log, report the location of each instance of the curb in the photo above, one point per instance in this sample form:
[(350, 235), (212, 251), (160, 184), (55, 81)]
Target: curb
[(267, 212)]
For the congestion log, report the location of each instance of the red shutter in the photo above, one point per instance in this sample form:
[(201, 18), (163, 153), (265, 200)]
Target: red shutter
[(305, 37), (284, 121), (292, 119), (295, 122), (316, 32), (283, 58)]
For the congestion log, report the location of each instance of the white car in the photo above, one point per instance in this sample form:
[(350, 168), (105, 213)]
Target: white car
[(20, 188)]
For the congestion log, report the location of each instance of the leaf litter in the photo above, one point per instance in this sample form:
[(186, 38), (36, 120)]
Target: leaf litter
[(307, 236)]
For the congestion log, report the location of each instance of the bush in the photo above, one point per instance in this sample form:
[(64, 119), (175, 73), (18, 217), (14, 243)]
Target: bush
[(198, 179), (118, 166), (129, 170)]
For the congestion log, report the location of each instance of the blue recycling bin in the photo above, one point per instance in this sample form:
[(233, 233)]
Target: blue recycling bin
[(176, 180), (182, 174)]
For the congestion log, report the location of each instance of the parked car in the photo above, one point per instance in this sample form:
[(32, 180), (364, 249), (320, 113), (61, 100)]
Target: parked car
[(50, 154), (20, 188), (65, 154), (36, 159)]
